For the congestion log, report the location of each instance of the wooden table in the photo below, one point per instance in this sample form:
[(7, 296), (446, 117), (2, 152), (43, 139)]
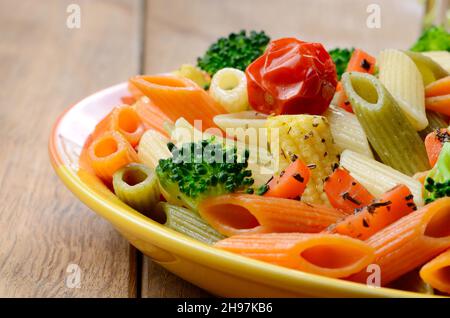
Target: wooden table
[(46, 66)]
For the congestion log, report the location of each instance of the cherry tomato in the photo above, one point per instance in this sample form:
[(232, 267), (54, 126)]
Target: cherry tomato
[(292, 77)]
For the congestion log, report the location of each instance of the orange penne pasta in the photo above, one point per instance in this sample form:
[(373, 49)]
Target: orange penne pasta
[(329, 255), (437, 272), (234, 214), (411, 241), (179, 97), (151, 116), (125, 120), (109, 153)]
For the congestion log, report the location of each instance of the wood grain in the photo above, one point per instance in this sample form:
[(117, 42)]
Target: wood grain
[(46, 67), (178, 31)]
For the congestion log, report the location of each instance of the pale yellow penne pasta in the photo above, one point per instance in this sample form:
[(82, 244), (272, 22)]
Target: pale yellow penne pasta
[(153, 147), (440, 57), (401, 77), (347, 131), (247, 126), (229, 89), (377, 177)]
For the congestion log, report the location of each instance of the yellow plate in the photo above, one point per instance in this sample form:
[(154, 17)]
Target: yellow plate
[(216, 271)]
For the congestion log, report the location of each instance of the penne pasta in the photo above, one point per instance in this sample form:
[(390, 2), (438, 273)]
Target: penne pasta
[(430, 70), (247, 127), (377, 177), (440, 57), (179, 97), (401, 77), (123, 119), (152, 117), (347, 131), (242, 213), (410, 242), (390, 133), (437, 272), (186, 222), (109, 153), (324, 254), (308, 138), (137, 186), (229, 89), (152, 148)]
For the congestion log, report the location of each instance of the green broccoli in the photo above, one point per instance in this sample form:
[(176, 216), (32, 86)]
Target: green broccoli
[(203, 169), (238, 51), (341, 57), (437, 183), (433, 39)]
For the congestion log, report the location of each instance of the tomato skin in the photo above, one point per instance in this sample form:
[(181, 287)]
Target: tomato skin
[(292, 77)]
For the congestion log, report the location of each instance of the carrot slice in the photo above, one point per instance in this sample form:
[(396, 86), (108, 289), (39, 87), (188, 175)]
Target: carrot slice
[(392, 206), (410, 242), (343, 102), (291, 183), (439, 104), (323, 254), (361, 62), (179, 97), (234, 214), (345, 193), (438, 88), (109, 153), (434, 142)]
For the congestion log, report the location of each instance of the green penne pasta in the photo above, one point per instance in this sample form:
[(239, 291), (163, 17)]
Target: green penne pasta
[(187, 222), (389, 131), (435, 121), (137, 186)]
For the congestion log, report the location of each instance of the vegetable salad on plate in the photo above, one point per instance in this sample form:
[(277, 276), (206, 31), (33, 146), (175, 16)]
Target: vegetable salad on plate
[(316, 160)]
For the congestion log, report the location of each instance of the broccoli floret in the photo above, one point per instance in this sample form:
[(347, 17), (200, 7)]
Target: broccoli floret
[(341, 57), (437, 183), (203, 169), (238, 50), (433, 39)]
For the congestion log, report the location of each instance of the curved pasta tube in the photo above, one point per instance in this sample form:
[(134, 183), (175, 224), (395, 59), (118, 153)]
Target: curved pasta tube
[(186, 222), (401, 77), (235, 214), (389, 131), (137, 186), (437, 272), (229, 89), (329, 255), (347, 131), (377, 177), (152, 148), (109, 153), (440, 57), (410, 242), (430, 70)]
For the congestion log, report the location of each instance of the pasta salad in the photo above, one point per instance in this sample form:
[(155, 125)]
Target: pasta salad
[(334, 163)]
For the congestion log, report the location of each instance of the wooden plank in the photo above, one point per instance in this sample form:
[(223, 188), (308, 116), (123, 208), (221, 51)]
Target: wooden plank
[(178, 31), (46, 67)]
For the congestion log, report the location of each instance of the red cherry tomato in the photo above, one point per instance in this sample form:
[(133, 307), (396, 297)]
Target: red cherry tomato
[(292, 77)]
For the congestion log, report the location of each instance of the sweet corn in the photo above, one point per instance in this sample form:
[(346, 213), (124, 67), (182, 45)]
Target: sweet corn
[(308, 138)]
